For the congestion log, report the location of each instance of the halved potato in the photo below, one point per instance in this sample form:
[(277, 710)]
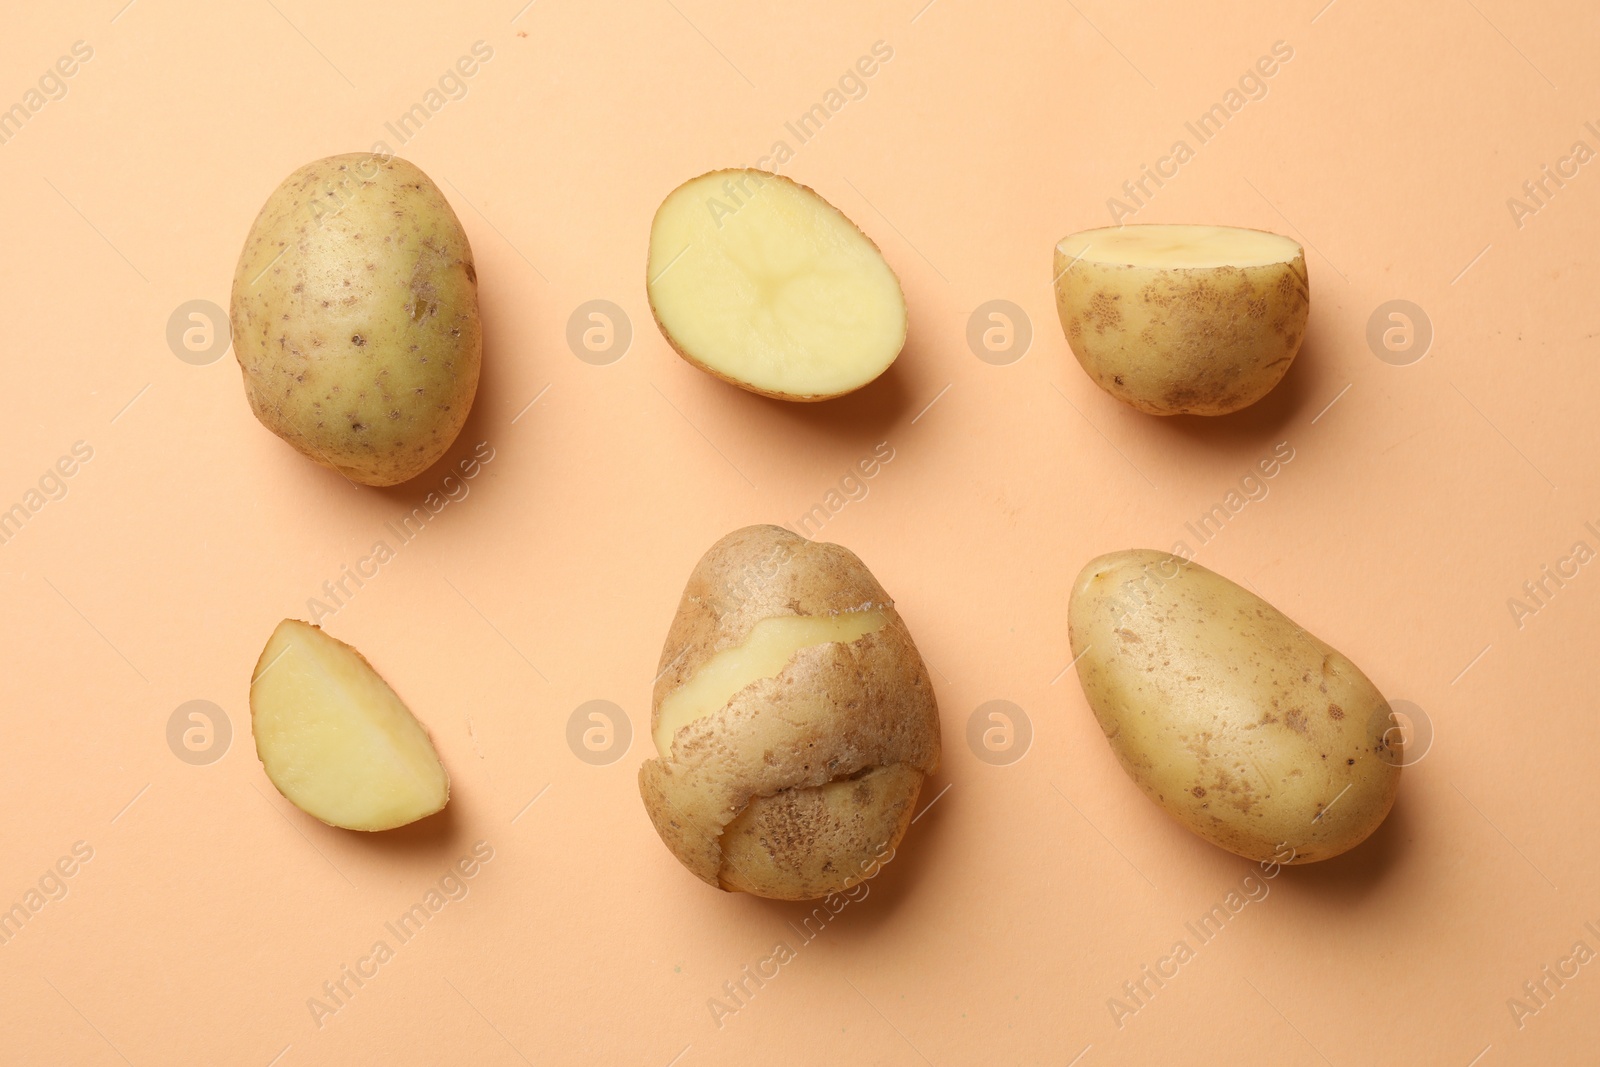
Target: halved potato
[(1183, 320), (335, 740), (766, 285)]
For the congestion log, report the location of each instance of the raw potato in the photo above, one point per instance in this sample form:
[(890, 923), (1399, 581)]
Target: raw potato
[(794, 720), (355, 317), (764, 284), (1245, 728), (335, 739), (1183, 320)]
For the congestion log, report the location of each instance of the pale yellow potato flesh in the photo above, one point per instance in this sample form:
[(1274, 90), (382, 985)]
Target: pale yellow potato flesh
[(1183, 320), (1248, 730), (1187, 247), (335, 739), (769, 648), (763, 283)]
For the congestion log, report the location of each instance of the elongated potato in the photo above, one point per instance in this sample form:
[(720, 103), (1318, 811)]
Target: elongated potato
[(1175, 320), (1247, 729), (793, 719), (355, 317)]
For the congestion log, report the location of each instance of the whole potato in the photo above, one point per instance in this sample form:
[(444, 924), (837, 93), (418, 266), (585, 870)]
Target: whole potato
[(1174, 320), (1248, 730), (355, 317), (793, 718)]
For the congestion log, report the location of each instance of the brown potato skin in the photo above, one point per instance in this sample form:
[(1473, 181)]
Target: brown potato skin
[(798, 398), (835, 711), (355, 317), (1251, 732), (792, 845)]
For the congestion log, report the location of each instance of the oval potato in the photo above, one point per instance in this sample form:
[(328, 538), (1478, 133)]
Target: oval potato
[(794, 720), (1248, 730), (355, 317)]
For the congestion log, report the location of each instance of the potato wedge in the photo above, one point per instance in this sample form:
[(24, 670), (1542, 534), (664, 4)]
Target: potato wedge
[(335, 740)]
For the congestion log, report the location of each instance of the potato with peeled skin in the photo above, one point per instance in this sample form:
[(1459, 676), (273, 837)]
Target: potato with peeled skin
[(335, 740), (1245, 728), (1183, 320), (355, 317), (758, 280), (793, 719)]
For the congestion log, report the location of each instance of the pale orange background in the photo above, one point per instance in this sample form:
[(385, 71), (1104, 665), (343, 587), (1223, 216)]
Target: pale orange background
[(1414, 508)]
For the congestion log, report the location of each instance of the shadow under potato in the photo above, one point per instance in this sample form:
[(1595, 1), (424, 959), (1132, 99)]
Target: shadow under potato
[(484, 423), (1262, 422), (867, 412), (1352, 875), (438, 837), (874, 902)]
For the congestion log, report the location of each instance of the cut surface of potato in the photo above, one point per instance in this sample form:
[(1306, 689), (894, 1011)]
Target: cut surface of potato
[(764, 284), (769, 648), (335, 739), (1157, 245)]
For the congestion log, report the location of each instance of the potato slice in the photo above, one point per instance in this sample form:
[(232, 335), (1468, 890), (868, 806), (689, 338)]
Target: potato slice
[(335, 740), (766, 285), (1183, 320)]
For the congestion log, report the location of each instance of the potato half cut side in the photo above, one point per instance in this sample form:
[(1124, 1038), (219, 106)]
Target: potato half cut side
[(335, 739), (1196, 320), (763, 283)]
